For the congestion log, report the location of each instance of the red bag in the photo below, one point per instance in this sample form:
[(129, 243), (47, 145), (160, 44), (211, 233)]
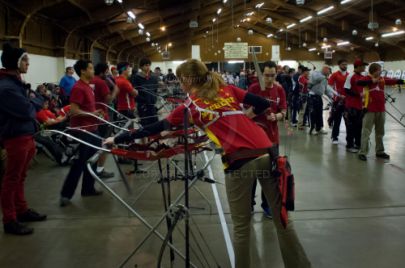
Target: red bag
[(286, 185)]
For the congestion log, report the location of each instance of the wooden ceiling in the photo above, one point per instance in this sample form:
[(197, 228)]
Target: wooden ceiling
[(107, 26)]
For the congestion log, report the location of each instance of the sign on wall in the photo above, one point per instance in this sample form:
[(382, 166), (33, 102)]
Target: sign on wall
[(275, 52), (236, 50)]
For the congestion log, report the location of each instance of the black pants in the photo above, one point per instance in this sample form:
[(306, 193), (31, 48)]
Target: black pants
[(338, 110), (354, 125), (147, 113), (79, 167), (316, 112)]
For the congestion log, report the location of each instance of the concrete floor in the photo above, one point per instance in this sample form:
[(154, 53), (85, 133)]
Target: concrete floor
[(348, 213)]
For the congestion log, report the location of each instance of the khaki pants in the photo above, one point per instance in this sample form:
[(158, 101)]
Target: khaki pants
[(239, 190), (370, 120), (301, 114)]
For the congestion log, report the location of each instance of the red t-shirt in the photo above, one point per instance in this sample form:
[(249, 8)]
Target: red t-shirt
[(44, 115), (124, 100), (231, 132), (276, 95), (337, 81), (376, 102), (101, 91), (355, 102), (83, 95), (64, 111), (303, 81)]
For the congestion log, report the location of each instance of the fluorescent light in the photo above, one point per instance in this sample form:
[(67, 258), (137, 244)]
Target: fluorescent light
[(312, 49), (219, 11), (119, 1), (345, 2), (131, 14), (392, 34), (235, 61), (281, 30), (140, 25), (214, 19), (320, 12), (224, 1), (269, 35), (250, 14), (325, 46), (369, 38), (291, 25), (344, 43), (147, 33), (306, 19), (260, 5)]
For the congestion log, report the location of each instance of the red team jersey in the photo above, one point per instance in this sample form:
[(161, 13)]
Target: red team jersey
[(376, 102), (337, 81), (303, 81), (125, 101), (44, 115), (276, 96), (101, 91), (355, 102), (232, 132), (83, 95)]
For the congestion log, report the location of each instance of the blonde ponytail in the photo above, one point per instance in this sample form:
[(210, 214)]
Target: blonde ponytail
[(205, 83)]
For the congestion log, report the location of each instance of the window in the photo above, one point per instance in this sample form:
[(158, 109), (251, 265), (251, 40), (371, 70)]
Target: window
[(256, 49)]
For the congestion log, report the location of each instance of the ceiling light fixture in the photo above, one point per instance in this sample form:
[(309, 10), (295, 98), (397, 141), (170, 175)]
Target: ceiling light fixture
[(392, 34), (163, 28), (214, 19), (344, 43), (147, 33), (291, 25), (306, 19), (260, 5), (369, 38), (131, 14), (140, 25), (219, 11), (323, 11), (325, 46), (312, 49), (345, 2), (269, 35)]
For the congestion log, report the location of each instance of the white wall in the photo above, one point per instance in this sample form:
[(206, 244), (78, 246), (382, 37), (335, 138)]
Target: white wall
[(165, 65), (45, 69)]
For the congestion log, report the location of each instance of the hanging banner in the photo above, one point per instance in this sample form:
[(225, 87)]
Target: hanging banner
[(275, 52), (236, 50)]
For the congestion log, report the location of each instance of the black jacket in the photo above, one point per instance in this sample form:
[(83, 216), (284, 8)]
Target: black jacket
[(17, 111), (147, 88)]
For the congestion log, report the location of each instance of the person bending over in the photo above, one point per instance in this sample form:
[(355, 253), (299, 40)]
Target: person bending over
[(216, 108)]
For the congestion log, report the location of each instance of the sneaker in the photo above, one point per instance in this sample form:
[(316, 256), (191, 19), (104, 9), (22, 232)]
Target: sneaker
[(105, 174), (92, 193), (16, 228), (362, 157), (31, 215), (267, 212), (335, 141), (294, 124), (323, 132), (352, 150), (64, 201), (383, 156)]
